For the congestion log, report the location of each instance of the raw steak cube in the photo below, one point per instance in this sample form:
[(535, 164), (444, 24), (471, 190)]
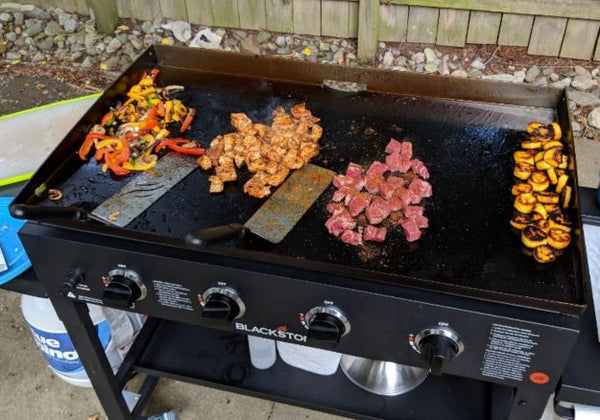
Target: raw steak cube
[(404, 195), (411, 230), (354, 170), (395, 204), (335, 208), (377, 168), (377, 211), (422, 222), (351, 237), (372, 182), (339, 195), (386, 190), (413, 211), (393, 161), (358, 203), (338, 223), (406, 150), (396, 181), (419, 168), (421, 188), (375, 234), (393, 146)]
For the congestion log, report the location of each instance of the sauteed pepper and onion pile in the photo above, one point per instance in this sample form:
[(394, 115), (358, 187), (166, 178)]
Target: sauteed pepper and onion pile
[(131, 136), (541, 192)]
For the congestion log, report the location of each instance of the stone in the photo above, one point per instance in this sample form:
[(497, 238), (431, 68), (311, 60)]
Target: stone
[(580, 71), (10, 7), (401, 61), (477, 64), (206, 39), (381, 45), (52, 28), (88, 62), (584, 81), (272, 46), (418, 58), (562, 84), (593, 117), (584, 98), (388, 59), (460, 73), (519, 76), (32, 11), (502, 77), (239, 34), (280, 41), (475, 74), (113, 46), (577, 128), (554, 77), (283, 51), (324, 46), (444, 66), (532, 73), (71, 25), (12, 55), (250, 45), (431, 67), (19, 18), (5, 17), (420, 68), (123, 38), (147, 27), (182, 31), (46, 44), (34, 29), (263, 36), (333, 48), (135, 41), (547, 71), (344, 43), (430, 56), (338, 56), (38, 56), (11, 36), (541, 81)]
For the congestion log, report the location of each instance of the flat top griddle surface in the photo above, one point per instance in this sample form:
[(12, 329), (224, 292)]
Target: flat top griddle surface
[(466, 146)]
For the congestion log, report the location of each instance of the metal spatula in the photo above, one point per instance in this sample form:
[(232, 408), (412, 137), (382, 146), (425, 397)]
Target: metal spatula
[(279, 214)]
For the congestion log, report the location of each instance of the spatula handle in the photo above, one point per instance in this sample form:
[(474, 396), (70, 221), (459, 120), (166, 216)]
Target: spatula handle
[(32, 212), (216, 234)]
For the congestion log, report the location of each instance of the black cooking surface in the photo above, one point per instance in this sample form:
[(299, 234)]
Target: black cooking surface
[(466, 146)]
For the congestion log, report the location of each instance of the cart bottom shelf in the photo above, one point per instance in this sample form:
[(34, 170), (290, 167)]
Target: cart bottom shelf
[(217, 359)]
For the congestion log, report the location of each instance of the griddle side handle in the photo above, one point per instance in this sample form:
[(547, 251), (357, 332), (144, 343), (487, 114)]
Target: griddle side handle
[(204, 237), (29, 212)]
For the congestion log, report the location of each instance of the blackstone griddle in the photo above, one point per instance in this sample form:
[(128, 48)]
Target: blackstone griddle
[(461, 289)]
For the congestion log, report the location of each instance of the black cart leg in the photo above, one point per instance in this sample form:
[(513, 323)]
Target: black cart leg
[(77, 321), (528, 404)]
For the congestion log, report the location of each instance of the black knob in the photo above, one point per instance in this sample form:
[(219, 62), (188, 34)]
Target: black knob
[(73, 278), (438, 350), (326, 327), (219, 307), (122, 290)]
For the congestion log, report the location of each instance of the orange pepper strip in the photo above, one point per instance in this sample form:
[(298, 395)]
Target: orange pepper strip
[(188, 120), (85, 148), (173, 144)]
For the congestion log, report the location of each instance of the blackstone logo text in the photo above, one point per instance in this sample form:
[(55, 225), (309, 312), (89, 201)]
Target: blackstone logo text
[(271, 332)]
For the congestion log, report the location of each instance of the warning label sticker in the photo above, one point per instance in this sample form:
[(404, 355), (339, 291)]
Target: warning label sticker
[(173, 295), (509, 352)]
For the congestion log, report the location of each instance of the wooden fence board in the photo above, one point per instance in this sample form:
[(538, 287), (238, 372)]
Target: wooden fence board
[(546, 36), (393, 21), (452, 27), (582, 9), (51, 3), (422, 25), (367, 30), (145, 10), (483, 28), (307, 17), (253, 14), (173, 9), (280, 16), (597, 53), (106, 14), (580, 39), (335, 18), (515, 30), (81, 7), (199, 12), (125, 8), (225, 13), (353, 20)]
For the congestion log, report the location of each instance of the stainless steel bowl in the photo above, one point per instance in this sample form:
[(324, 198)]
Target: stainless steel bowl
[(381, 377)]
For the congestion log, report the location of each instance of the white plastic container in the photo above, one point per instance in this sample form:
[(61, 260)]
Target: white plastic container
[(51, 337), (319, 361), (263, 352)]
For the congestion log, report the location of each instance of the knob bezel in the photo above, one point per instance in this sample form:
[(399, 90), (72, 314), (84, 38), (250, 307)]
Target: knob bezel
[(130, 275), (329, 310), (230, 293), (439, 331)]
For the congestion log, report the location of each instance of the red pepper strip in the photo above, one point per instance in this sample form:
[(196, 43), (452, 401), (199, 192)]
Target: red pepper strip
[(107, 117), (173, 144), (154, 73), (188, 120), (147, 124), (116, 168), (123, 155), (100, 154), (152, 113), (85, 148), (160, 109)]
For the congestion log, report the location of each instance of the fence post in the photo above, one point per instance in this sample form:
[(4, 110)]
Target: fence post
[(106, 14), (368, 23)]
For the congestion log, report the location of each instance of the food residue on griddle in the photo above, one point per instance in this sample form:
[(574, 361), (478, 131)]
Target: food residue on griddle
[(269, 152), (366, 203), (540, 192), (131, 136)]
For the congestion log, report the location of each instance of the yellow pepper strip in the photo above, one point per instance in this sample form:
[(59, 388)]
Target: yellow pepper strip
[(168, 111), (141, 164), (180, 108), (113, 143), (146, 91), (162, 134)]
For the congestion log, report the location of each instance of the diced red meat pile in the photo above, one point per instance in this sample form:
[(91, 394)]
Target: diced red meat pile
[(366, 203)]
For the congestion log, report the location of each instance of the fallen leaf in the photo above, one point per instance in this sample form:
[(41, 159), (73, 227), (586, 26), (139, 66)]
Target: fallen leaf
[(307, 51), (123, 28), (103, 66), (40, 86)]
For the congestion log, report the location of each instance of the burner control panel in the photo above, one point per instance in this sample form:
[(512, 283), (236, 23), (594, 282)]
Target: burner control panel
[(438, 345), (221, 304), (123, 289), (326, 324)]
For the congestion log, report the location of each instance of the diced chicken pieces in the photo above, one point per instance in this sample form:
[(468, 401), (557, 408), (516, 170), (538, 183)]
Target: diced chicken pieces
[(204, 162), (352, 237), (375, 234), (226, 174), (377, 211), (354, 170), (394, 146), (240, 121), (411, 230), (256, 188), (216, 185)]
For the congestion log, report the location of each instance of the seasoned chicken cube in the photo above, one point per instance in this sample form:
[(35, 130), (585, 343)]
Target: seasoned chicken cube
[(239, 160), (256, 188), (308, 151), (225, 161), (278, 177), (216, 185), (226, 174), (299, 111), (271, 167), (316, 132), (255, 165), (261, 129), (204, 162), (240, 121)]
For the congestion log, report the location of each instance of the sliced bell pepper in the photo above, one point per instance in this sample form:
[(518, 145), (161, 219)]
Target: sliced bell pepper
[(174, 144), (100, 153), (85, 148), (142, 163), (111, 161), (108, 119), (188, 120), (114, 143)]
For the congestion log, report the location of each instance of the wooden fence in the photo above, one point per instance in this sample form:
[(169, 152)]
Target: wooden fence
[(565, 28)]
